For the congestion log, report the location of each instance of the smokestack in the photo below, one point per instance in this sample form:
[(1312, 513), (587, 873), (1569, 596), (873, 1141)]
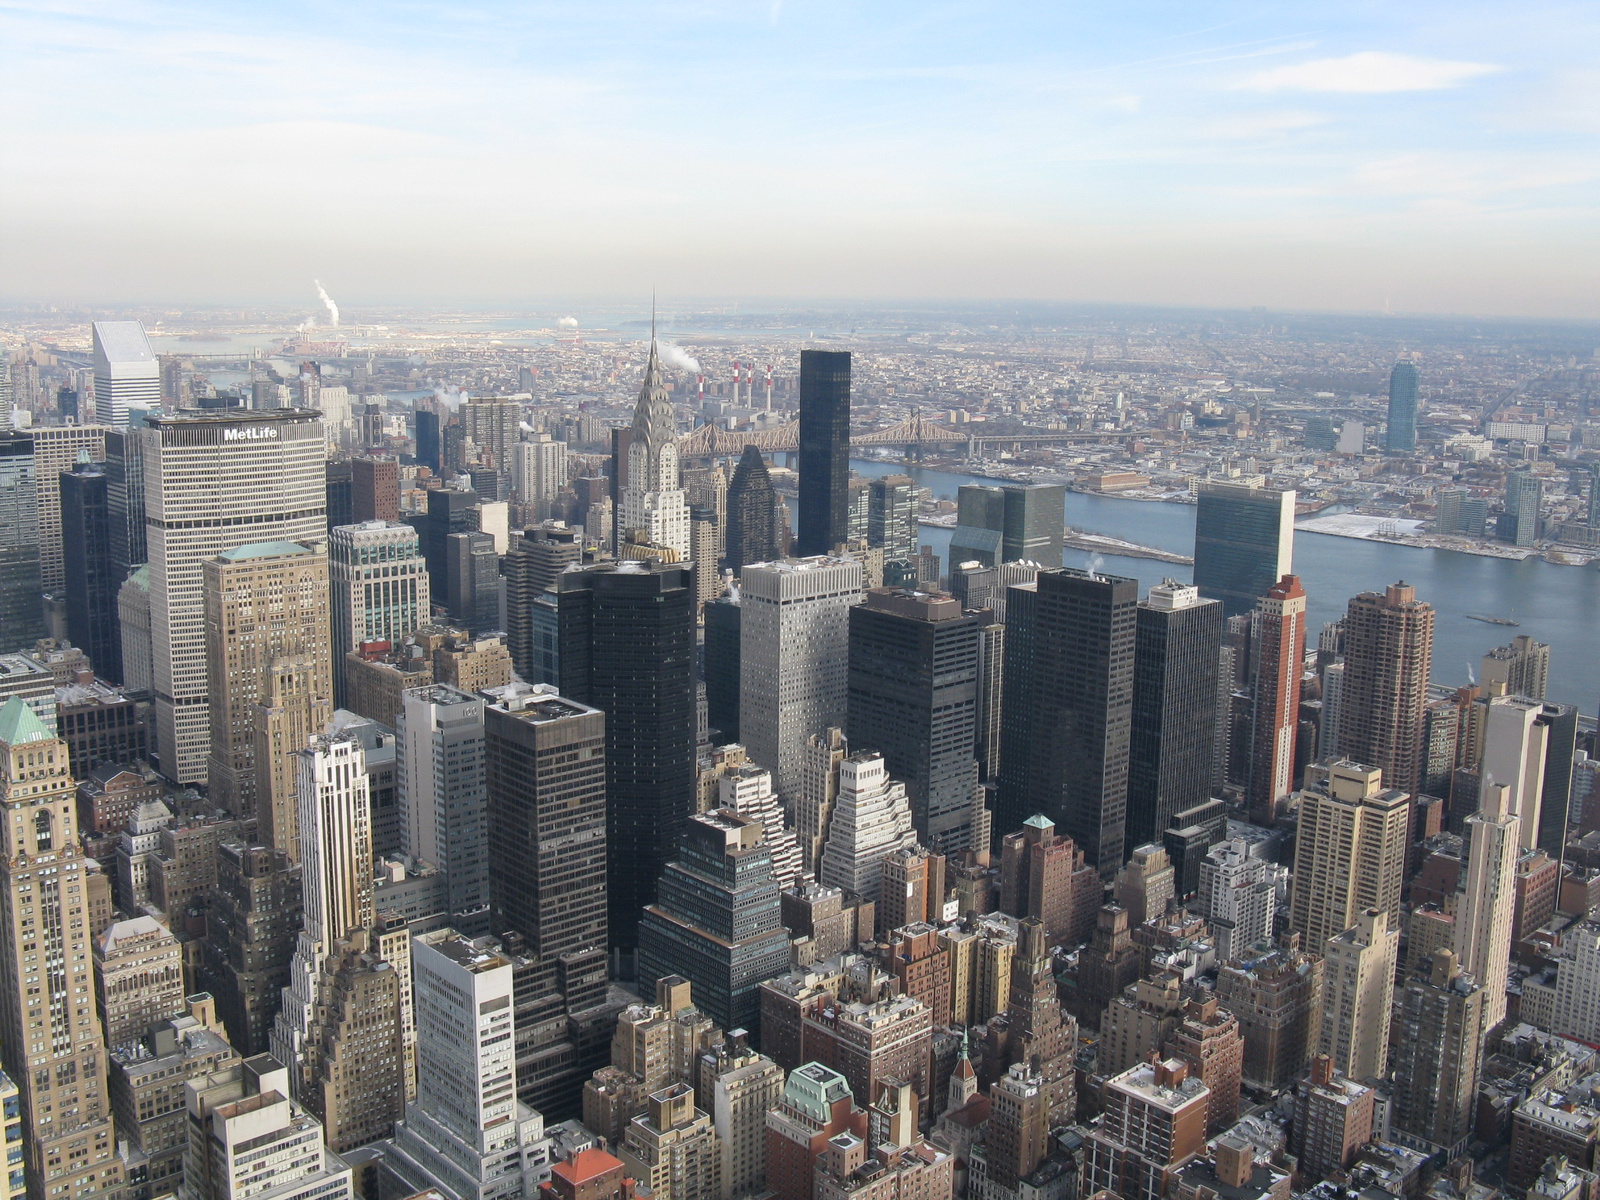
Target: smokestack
[(769, 387)]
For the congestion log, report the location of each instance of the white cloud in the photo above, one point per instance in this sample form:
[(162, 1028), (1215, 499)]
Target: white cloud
[(1371, 72)]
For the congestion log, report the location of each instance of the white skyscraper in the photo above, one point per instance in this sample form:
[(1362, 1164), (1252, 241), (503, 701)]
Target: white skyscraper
[(1514, 745), (748, 791), (653, 507), (444, 806), (871, 821), (1332, 706), (249, 1141), (467, 1129), (380, 588), (55, 449), (1577, 1000), (214, 481), (539, 468), (1238, 893), (1487, 899), (1357, 993), (126, 371), (794, 646), (335, 875)]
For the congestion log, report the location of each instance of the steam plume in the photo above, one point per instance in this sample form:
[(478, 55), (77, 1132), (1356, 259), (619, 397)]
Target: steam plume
[(676, 356), (327, 300)]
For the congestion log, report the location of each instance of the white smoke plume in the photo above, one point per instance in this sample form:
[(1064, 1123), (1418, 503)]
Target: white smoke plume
[(568, 322), (1472, 676), (1096, 562), (451, 400), (677, 356), (525, 427), (327, 301)]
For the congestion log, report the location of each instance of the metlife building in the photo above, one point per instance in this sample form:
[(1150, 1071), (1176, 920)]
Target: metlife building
[(215, 481)]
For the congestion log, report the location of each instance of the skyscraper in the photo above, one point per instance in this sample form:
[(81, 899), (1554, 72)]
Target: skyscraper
[(21, 591), (219, 479), (1523, 668), (467, 1129), (1388, 653), (374, 490), (91, 582), (1402, 433), (720, 665), (1177, 640), (1243, 543), (537, 556), (824, 516), (913, 694), (1437, 1054), (380, 588), (50, 1033), (449, 511), (1358, 991), (871, 820), (1280, 662), (1350, 852), (430, 443), (472, 588), (794, 644), (751, 502), (1487, 899), (653, 509), (547, 819), (627, 640), (125, 499), (716, 918), (538, 469), (1519, 520), (56, 449), (444, 814), (1013, 523), (265, 603), (892, 516), (126, 371), (1067, 711)]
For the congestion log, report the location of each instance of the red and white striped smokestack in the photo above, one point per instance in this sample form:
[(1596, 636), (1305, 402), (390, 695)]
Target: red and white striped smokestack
[(769, 387)]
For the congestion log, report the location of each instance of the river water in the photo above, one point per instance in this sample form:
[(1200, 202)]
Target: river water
[(1559, 605)]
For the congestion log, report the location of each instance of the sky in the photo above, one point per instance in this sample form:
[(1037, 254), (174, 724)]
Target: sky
[(1415, 157)]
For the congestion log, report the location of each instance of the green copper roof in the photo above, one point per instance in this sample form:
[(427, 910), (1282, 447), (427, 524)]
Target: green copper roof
[(19, 724), (264, 550), (1040, 821)]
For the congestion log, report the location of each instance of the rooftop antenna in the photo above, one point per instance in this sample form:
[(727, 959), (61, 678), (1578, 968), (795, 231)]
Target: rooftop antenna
[(652, 313)]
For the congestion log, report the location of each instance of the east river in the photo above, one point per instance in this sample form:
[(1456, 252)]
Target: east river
[(1555, 604)]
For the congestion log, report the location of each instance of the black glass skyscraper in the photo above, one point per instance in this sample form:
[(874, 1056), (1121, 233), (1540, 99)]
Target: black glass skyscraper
[(545, 770), (1402, 432), (1067, 708), (914, 698), (1243, 543), (824, 517), (125, 499), (718, 922), (429, 445), (341, 495), (1015, 523), (720, 667), (752, 534), (627, 647), (447, 513), (92, 580), (1177, 645)]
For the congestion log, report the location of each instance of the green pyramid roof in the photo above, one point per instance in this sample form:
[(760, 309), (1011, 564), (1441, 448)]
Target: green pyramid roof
[(19, 724)]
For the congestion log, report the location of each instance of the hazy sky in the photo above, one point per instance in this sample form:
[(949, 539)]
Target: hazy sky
[(1429, 156)]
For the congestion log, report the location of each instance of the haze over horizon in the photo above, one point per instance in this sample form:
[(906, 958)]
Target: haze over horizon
[(1426, 158)]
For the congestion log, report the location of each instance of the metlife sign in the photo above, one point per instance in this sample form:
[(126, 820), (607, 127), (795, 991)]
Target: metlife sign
[(250, 433)]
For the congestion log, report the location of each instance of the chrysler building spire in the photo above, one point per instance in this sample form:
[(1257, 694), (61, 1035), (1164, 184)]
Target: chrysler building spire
[(653, 505)]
